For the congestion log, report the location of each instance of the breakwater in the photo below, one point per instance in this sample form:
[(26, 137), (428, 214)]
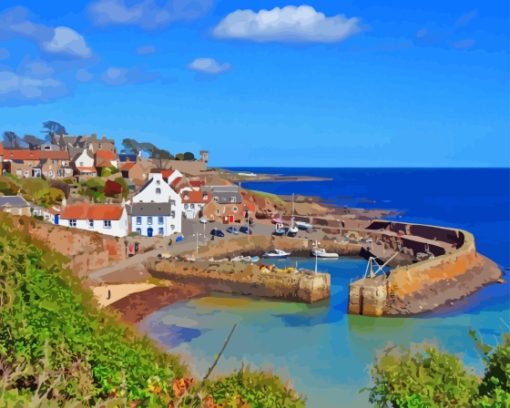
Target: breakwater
[(453, 270), (246, 279)]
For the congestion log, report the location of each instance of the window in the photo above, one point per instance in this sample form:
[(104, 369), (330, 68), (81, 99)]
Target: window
[(158, 182), (161, 220), (161, 231), (235, 209), (172, 227), (25, 173), (139, 231), (18, 173), (51, 173), (72, 223), (158, 190), (172, 214), (192, 206), (81, 164), (233, 199), (149, 220), (185, 206), (107, 223), (138, 220), (91, 223)]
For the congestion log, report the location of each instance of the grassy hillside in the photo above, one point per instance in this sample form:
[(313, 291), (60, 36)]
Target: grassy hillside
[(56, 346)]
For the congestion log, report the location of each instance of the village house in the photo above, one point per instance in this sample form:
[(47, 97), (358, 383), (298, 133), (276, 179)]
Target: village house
[(105, 158), (138, 173), (108, 219), (36, 163), (1, 158), (225, 205), (15, 205), (84, 164), (164, 218), (194, 202)]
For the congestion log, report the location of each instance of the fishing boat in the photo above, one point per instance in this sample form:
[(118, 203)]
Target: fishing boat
[(277, 253), (321, 253), (303, 225)]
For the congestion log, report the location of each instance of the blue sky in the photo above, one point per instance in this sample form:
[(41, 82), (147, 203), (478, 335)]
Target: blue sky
[(273, 83)]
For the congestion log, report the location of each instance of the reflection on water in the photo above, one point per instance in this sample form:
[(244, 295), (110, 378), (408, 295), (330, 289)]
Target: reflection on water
[(322, 350)]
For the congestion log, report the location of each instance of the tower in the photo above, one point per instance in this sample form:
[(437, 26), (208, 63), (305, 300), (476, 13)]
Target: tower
[(204, 156)]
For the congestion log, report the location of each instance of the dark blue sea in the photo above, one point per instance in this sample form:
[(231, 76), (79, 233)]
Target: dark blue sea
[(477, 200), (325, 352)]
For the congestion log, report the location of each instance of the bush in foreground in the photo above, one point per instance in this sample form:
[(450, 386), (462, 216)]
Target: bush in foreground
[(432, 378), (57, 347)]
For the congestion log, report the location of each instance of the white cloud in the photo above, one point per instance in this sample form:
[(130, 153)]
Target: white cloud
[(67, 41), (208, 66), (121, 76), (83, 75), (59, 40), (20, 88), (146, 13), (287, 24)]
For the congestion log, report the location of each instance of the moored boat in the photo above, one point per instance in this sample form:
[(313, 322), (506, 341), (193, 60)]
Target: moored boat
[(321, 253), (277, 253), (303, 225)]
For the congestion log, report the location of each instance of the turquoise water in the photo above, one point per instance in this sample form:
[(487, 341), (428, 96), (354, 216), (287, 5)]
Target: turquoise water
[(325, 353)]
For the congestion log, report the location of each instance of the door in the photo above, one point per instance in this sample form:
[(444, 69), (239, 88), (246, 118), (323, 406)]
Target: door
[(231, 219), (57, 219), (149, 232)]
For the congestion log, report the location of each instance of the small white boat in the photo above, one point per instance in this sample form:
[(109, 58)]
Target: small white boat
[(277, 253), (303, 225), (321, 253)]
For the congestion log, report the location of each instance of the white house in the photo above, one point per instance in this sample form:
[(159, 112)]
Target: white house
[(84, 163), (194, 202), (108, 219), (162, 219)]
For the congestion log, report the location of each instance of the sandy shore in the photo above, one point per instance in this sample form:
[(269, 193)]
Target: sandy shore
[(137, 305), (118, 292)]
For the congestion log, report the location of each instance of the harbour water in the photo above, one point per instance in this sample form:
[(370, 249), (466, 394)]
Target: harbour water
[(323, 351)]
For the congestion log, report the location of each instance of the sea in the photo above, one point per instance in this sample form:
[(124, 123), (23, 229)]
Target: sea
[(319, 349)]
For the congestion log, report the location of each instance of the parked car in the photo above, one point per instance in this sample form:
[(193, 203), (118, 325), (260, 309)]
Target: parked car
[(246, 230), (232, 230), (216, 232)]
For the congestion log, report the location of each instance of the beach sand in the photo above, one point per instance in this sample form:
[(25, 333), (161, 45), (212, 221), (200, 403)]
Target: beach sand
[(118, 292)]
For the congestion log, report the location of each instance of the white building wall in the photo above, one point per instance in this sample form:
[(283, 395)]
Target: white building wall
[(119, 228), (168, 226), (84, 160), (166, 194), (192, 210)]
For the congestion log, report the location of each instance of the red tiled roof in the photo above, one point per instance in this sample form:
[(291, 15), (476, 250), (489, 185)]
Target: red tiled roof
[(176, 181), (103, 163), (126, 166), (196, 183), (24, 154), (167, 173), (1, 149), (85, 211), (195, 197), (105, 155)]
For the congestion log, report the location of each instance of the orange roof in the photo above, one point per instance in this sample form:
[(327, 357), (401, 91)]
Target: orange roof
[(195, 197), (166, 173), (85, 211), (1, 149), (196, 183), (105, 155), (176, 181), (126, 166), (24, 154)]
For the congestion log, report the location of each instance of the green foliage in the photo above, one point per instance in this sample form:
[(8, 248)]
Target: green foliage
[(255, 388), (52, 329), (106, 171), (494, 390), (431, 378), (94, 189), (428, 378), (36, 190)]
